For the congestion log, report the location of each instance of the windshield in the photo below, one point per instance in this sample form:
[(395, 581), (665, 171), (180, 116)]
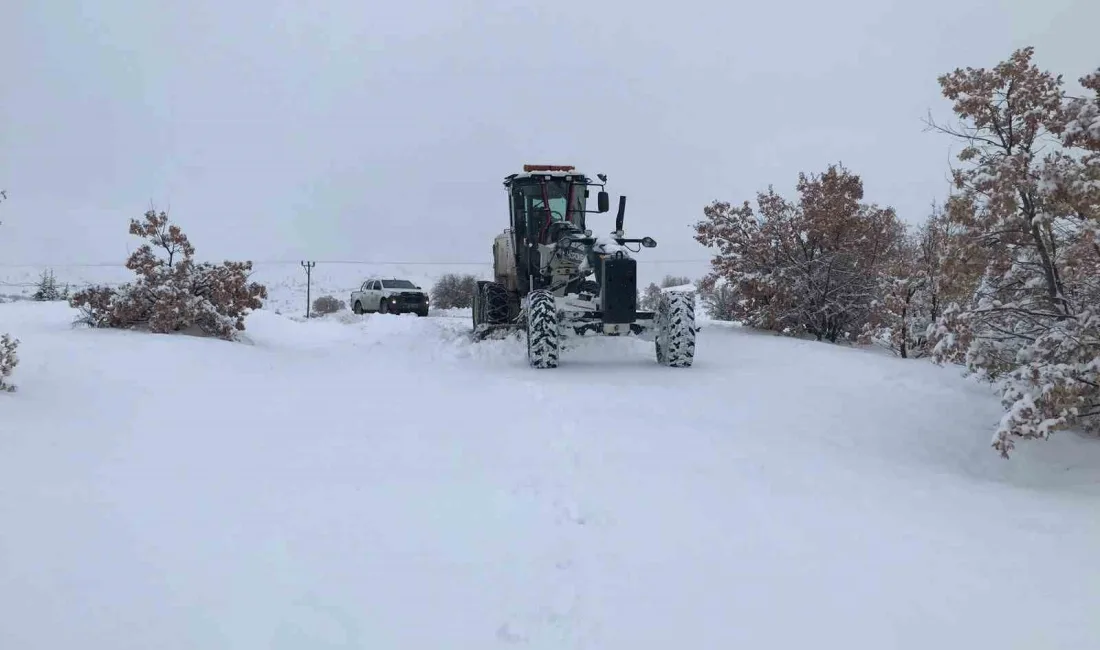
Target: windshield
[(397, 284), (557, 192)]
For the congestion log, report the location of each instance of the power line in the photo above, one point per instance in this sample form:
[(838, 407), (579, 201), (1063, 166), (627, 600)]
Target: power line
[(289, 262)]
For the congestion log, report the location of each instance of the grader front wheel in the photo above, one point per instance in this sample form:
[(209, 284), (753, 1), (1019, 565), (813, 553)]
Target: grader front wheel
[(543, 337)]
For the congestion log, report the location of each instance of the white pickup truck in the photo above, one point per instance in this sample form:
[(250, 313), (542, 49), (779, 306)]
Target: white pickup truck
[(389, 296)]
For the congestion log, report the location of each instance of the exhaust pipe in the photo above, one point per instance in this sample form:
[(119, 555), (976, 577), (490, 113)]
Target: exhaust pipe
[(620, 215)]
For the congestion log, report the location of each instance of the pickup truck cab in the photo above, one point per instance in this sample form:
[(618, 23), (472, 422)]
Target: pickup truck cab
[(389, 296)]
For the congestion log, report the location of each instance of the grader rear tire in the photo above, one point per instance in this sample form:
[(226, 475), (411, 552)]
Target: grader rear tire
[(675, 341)]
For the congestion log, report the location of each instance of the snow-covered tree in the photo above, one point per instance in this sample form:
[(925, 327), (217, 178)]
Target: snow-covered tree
[(899, 315), (48, 288), (914, 283), (1026, 199), (670, 281), (719, 297), (651, 295), (806, 266), (173, 292)]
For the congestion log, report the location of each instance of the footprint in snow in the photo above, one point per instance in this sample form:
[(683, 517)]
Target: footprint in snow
[(507, 634)]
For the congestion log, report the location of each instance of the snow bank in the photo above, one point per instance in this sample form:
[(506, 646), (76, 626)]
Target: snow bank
[(384, 482)]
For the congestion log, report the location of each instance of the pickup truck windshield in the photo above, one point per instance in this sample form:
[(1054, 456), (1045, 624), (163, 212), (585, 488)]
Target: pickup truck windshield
[(397, 284)]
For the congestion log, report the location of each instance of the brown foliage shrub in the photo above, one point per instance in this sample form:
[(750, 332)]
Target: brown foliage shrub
[(328, 305), (173, 293), (809, 266), (453, 291), (1027, 200), (9, 359)]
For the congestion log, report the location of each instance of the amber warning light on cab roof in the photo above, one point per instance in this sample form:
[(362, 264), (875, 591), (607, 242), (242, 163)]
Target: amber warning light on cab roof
[(548, 168)]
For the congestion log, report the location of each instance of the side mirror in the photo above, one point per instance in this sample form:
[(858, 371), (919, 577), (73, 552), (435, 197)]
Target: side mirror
[(649, 242), (603, 202)]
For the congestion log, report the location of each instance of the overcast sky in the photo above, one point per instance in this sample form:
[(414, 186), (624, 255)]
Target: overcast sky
[(382, 130)]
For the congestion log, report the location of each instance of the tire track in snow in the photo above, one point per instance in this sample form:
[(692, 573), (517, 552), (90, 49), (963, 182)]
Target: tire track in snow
[(562, 619)]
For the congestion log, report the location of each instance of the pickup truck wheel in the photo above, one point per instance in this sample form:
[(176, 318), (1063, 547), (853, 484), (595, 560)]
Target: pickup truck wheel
[(383, 306), (357, 307)]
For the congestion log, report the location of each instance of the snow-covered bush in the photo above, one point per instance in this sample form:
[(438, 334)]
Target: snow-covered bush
[(453, 291), (649, 297), (810, 266), (173, 292), (9, 359), (1028, 199), (328, 305)]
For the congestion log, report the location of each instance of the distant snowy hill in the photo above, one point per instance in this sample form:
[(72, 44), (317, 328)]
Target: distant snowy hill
[(286, 281)]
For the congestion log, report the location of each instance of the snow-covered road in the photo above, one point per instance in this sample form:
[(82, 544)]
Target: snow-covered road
[(384, 482)]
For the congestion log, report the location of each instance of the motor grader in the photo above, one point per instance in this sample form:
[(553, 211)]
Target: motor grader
[(553, 278)]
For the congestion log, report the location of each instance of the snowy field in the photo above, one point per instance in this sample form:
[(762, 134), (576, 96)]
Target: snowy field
[(383, 482)]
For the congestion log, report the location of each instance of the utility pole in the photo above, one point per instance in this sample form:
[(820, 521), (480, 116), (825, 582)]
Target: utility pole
[(308, 266)]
